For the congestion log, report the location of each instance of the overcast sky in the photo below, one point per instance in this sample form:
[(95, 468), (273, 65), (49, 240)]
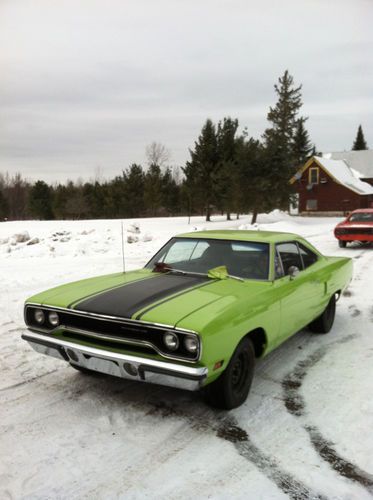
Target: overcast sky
[(89, 83)]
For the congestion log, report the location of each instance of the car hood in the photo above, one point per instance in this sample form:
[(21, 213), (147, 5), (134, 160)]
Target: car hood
[(146, 296), (355, 224)]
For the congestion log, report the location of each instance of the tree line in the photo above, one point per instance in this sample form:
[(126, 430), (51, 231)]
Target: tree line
[(228, 172)]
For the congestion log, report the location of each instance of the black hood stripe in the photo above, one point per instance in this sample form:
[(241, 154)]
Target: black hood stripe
[(153, 306), (112, 287), (126, 300)]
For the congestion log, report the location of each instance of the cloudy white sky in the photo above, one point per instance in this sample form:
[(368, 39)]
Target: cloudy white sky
[(89, 83)]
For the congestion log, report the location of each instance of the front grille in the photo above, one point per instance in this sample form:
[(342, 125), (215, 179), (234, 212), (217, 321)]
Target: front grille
[(113, 333), (105, 343), (354, 230)]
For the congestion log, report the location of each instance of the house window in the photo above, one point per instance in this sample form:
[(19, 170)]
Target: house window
[(311, 205), (313, 175)]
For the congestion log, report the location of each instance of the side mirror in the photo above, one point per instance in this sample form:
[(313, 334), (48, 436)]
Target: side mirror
[(293, 272)]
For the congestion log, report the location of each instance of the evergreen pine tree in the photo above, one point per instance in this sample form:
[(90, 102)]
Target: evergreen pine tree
[(134, 190), (201, 170), (40, 201), (254, 177), (359, 143), (302, 148), (94, 201), (3, 206), (60, 197), (225, 178), (170, 193), (153, 196), (278, 140)]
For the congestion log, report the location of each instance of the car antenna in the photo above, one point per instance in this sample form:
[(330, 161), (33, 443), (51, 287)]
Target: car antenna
[(124, 266)]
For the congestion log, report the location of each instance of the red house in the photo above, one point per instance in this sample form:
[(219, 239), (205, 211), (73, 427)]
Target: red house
[(328, 186)]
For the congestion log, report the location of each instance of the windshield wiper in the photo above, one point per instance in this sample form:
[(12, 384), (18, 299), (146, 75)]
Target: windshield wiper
[(186, 273), (193, 273), (212, 273)]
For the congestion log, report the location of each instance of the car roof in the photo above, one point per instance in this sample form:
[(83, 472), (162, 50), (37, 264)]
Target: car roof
[(241, 235)]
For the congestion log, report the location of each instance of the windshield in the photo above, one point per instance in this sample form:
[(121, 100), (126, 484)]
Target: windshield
[(245, 259), (361, 217)]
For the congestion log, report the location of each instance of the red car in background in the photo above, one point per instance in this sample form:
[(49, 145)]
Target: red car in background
[(357, 227)]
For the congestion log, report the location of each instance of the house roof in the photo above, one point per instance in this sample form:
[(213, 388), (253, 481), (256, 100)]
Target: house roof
[(341, 172), (362, 161)]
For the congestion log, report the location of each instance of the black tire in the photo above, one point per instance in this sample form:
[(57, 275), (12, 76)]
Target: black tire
[(324, 323), (342, 243), (232, 387)]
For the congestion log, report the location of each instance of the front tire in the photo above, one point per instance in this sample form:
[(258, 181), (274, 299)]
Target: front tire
[(324, 323), (342, 243), (232, 387)]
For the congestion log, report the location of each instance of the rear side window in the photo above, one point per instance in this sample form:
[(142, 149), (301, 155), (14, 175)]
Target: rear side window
[(308, 257), (289, 255)]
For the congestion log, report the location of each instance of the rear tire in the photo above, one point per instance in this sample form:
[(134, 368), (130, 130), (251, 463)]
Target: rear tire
[(232, 387), (342, 243), (324, 323)]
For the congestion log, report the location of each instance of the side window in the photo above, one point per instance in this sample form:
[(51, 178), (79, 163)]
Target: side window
[(308, 257), (289, 255)]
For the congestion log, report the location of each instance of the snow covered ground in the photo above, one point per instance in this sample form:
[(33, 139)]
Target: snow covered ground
[(304, 432)]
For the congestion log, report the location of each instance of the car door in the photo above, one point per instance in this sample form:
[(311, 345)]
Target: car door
[(301, 295)]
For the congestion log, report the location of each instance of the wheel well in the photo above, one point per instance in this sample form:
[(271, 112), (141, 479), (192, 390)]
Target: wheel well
[(259, 340)]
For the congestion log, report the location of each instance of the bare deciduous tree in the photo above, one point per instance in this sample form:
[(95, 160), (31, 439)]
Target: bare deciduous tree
[(157, 154)]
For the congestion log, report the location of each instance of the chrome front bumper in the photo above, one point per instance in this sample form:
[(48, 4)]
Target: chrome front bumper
[(120, 365)]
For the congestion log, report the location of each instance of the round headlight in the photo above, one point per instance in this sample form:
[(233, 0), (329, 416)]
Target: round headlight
[(191, 344), (171, 341), (39, 316), (53, 318)]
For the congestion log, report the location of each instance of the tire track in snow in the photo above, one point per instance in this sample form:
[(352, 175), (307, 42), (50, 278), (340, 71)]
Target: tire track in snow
[(28, 380), (295, 405), (266, 464), (345, 468), (201, 420), (227, 428)]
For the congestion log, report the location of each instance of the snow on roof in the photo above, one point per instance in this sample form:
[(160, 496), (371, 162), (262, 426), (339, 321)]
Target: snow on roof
[(362, 161), (346, 176)]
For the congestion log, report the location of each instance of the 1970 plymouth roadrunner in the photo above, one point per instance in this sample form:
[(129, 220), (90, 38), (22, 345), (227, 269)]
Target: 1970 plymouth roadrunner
[(357, 227), (197, 315)]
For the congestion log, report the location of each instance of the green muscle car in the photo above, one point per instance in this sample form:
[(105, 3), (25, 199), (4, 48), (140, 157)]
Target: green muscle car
[(197, 315)]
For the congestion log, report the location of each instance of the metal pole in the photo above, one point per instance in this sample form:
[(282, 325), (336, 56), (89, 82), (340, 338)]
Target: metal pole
[(124, 267)]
